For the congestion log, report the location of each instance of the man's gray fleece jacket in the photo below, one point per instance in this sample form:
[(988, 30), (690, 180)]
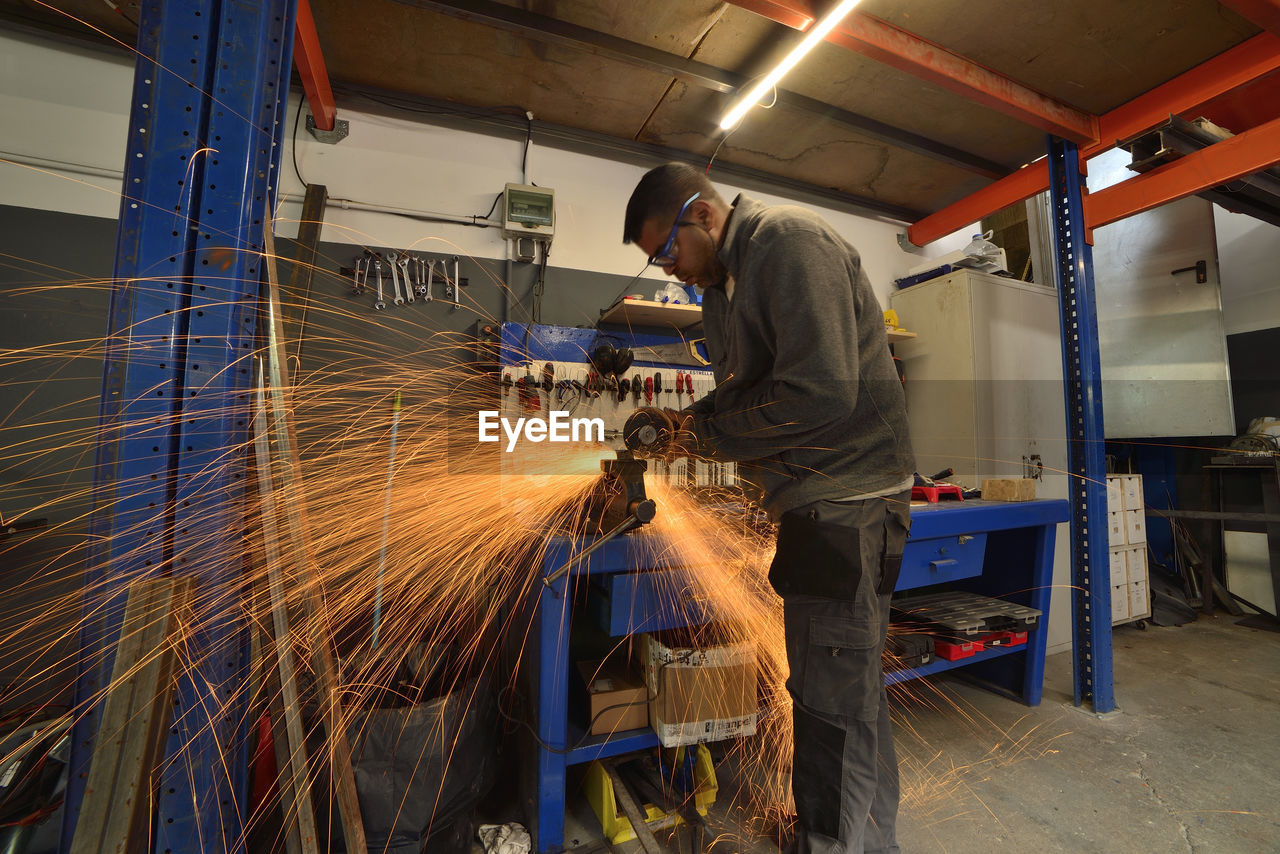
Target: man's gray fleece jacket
[(806, 392)]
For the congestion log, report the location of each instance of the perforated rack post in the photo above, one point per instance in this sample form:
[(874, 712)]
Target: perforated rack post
[(210, 86), (1082, 383)]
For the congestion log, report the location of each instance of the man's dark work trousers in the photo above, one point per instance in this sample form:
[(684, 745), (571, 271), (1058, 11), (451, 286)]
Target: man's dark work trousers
[(836, 567)]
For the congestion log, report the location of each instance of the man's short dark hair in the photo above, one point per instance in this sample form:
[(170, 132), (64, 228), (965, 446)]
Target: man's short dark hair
[(660, 193)]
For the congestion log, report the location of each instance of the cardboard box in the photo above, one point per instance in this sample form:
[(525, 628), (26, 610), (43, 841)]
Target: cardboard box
[(616, 700), (1009, 489), (699, 694)]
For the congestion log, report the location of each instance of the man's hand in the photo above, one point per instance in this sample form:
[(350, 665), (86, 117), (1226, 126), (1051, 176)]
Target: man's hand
[(683, 441)]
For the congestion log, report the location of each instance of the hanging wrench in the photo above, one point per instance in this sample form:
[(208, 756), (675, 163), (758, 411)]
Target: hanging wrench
[(379, 303), (398, 295), (419, 278), (431, 274), (404, 274), (448, 285), (357, 281), (457, 284)]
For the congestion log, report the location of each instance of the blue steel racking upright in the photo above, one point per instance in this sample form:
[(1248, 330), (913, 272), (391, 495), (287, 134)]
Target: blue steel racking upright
[(210, 92), (1086, 467)]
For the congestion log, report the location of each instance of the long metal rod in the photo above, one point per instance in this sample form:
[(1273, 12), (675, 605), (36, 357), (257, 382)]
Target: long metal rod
[(625, 525), (297, 536), (1086, 469), (295, 786), (386, 521)]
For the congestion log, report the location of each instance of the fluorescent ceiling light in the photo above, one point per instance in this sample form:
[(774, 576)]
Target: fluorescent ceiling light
[(811, 38)]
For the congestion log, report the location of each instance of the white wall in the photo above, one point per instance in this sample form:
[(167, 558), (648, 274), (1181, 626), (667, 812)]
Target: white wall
[(71, 106), (1249, 263), (67, 105)]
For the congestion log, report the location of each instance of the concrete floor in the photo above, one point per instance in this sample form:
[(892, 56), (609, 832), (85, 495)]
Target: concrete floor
[(1188, 764)]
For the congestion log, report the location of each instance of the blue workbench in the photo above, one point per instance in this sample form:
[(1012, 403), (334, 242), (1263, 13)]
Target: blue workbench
[(999, 549)]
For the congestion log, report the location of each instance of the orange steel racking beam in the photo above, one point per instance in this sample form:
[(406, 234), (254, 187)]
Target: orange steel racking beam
[(309, 59), (1243, 154), (906, 52), (1247, 61)]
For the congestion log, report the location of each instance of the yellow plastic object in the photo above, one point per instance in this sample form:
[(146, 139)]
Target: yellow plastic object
[(616, 826), (704, 774), (891, 319)]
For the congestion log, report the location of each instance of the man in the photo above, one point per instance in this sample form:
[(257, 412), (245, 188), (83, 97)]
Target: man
[(807, 398)]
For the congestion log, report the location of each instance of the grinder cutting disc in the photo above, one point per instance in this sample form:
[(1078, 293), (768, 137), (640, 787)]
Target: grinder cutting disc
[(649, 431)]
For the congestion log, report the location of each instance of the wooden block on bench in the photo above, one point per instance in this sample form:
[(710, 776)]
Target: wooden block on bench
[(1009, 489)]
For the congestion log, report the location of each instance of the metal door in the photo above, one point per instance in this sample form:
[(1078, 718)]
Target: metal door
[(1162, 342)]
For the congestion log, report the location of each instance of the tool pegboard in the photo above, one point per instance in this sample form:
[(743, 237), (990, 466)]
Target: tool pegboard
[(556, 368)]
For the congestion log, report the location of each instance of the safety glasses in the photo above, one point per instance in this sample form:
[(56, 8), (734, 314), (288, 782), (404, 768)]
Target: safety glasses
[(666, 255)]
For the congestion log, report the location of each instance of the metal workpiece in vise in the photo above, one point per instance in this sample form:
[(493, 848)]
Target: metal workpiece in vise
[(617, 506)]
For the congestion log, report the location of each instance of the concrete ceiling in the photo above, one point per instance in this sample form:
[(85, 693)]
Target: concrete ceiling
[(638, 72)]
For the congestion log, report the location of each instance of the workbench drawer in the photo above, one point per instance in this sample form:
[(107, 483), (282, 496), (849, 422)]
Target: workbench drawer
[(935, 561), (630, 602)]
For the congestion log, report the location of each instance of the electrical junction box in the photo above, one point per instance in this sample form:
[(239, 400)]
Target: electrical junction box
[(528, 212)]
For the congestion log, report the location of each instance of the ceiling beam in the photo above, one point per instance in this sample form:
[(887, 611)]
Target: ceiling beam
[(462, 116), (553, 31), (309, 60), (906, 52), (1264, 13), (1247, 61), (1235, 157)]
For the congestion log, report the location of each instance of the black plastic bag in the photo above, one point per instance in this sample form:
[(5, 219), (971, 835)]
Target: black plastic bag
[(421, 769)]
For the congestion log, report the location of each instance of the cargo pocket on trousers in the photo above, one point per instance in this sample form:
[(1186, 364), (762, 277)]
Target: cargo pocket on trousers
[(816, 558), (897, 524), (841, 676)]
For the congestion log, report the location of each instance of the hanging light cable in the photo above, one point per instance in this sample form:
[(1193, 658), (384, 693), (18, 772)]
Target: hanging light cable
[(810, 40)]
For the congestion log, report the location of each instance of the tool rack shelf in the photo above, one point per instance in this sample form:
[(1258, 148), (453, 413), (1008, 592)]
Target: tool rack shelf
[(637, 312), (996, 548)]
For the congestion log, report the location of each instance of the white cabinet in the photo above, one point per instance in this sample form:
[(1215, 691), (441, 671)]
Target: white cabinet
[(984, 376), (984, 393)]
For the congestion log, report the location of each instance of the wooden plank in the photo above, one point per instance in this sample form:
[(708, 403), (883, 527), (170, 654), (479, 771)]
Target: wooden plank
[(298, 294), (129, 743)]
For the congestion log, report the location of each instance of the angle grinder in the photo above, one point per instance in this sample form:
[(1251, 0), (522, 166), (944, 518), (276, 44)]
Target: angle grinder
[(649, 432)]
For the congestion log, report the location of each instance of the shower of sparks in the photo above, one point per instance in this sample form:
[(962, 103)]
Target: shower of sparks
[(461, 561), (467, 534)]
